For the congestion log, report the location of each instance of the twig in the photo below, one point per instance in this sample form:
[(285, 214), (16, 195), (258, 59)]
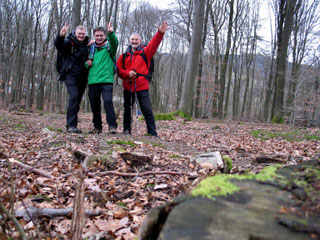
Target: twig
[(32, 169), (34, 212), (78, 216), (10, 213), (14, 220), (135, 174)]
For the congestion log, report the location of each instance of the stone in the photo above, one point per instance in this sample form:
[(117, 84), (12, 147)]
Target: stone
[(211, 160)]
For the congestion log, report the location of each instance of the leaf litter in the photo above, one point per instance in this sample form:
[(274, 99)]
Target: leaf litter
[(40, 141)]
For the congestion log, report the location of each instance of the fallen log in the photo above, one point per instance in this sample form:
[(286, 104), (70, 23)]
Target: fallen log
[(32, 169), (33, 212)]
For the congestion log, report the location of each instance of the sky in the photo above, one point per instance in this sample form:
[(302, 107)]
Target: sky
[(264, 14), (162, 4)]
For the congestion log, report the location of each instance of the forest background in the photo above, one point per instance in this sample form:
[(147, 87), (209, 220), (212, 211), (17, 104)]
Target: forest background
[(240, 73)]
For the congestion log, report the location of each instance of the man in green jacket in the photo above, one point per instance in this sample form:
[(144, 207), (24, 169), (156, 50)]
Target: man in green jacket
[(100, 81)]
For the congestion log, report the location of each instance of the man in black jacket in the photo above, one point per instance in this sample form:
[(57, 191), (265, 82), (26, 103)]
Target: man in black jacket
[(74, 49)]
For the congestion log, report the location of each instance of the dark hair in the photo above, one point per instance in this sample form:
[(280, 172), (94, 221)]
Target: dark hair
[(100, 28)]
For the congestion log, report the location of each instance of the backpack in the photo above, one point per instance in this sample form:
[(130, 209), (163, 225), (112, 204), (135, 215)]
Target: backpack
[(143, 55), (60, 63)]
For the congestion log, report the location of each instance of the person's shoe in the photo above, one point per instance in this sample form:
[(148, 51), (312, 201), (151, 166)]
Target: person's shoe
[(126, 131), (113, 130), (95, 131), (73, 130)]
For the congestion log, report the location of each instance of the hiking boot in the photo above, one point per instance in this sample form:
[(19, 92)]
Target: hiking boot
[(95, 131), (113, 130), (126, 131), (73, 130)]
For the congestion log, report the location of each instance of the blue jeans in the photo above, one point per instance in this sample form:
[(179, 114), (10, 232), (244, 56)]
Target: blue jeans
[(146, 109), (95, 93)]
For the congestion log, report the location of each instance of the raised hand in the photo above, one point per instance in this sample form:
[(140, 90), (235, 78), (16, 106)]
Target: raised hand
[(64, 30), (163, 27), (109, 27)]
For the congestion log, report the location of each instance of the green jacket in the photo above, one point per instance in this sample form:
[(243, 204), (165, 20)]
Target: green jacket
[(102, 69)]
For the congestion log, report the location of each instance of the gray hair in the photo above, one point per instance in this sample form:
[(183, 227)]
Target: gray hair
[(135, 34), (100, 28), (81, 27)]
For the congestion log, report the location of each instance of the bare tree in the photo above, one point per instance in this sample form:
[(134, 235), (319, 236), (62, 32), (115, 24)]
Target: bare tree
[(193, 58), (285, 21)]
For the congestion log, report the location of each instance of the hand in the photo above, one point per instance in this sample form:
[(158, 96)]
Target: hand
[(163, 27), (109, 27), (89, 63), (91, 43), (64, 30), (132, 74)]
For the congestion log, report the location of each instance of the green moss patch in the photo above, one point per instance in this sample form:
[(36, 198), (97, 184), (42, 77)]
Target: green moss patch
[(182, 114), (220, 185), (297, 135), (228, 162), (119, 142), (54, 129)]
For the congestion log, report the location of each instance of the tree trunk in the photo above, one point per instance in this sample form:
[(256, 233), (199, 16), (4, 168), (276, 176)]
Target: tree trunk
[(193, 58), (286, 11), (76, 13), (225, 62)]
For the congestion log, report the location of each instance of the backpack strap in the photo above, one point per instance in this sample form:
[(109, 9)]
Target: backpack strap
[(92, 49), (143, 55)]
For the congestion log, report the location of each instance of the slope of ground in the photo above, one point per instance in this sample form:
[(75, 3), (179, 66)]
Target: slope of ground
[(40, 141)]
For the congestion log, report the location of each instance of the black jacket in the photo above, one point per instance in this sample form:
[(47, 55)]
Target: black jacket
[(75, 54)]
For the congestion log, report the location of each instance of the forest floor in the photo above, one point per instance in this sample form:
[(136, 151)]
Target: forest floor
[(40, 141)]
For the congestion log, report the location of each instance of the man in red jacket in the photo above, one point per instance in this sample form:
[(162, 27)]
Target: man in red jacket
[(134, 70)]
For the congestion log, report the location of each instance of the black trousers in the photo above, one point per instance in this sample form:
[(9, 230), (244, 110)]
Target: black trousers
[(146, 109), (95, 93), (75, 91)]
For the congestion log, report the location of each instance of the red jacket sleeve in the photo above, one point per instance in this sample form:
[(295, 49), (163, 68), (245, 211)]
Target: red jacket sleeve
[(153, 45)]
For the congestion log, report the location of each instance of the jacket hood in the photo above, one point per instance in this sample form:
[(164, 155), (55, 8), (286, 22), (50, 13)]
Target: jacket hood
[(72, 36)]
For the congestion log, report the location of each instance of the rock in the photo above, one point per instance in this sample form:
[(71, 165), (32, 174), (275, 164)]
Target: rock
[(257, 207), (212, 160), (136, 159)]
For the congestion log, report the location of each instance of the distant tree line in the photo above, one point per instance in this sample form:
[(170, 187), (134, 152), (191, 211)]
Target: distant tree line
[(213, 62)]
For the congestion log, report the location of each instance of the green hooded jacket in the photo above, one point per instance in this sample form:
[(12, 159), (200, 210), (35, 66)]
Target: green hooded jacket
[(102, 69)]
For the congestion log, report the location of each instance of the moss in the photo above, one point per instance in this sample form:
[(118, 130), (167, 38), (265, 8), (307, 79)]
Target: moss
[(54, 129), (228, 162), (164, 117), (268, 173), (296, 135), (18, 126), (175, 156), (220, 185), (182, 114), (159, 145), (217, 186), (302, 221), (278, 120), (119, 142)]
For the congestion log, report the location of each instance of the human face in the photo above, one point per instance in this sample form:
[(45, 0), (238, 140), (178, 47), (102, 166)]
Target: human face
[(99, 37), (135, 41), (81, 34)]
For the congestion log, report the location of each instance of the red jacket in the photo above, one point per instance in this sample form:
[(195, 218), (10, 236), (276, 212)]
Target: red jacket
[(137, 63)]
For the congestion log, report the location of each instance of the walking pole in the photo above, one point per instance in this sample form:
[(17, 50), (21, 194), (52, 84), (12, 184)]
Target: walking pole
[(131, 105), (136, 100)]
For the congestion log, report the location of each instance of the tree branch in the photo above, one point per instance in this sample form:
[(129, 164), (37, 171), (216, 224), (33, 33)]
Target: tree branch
[(32, 169)]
